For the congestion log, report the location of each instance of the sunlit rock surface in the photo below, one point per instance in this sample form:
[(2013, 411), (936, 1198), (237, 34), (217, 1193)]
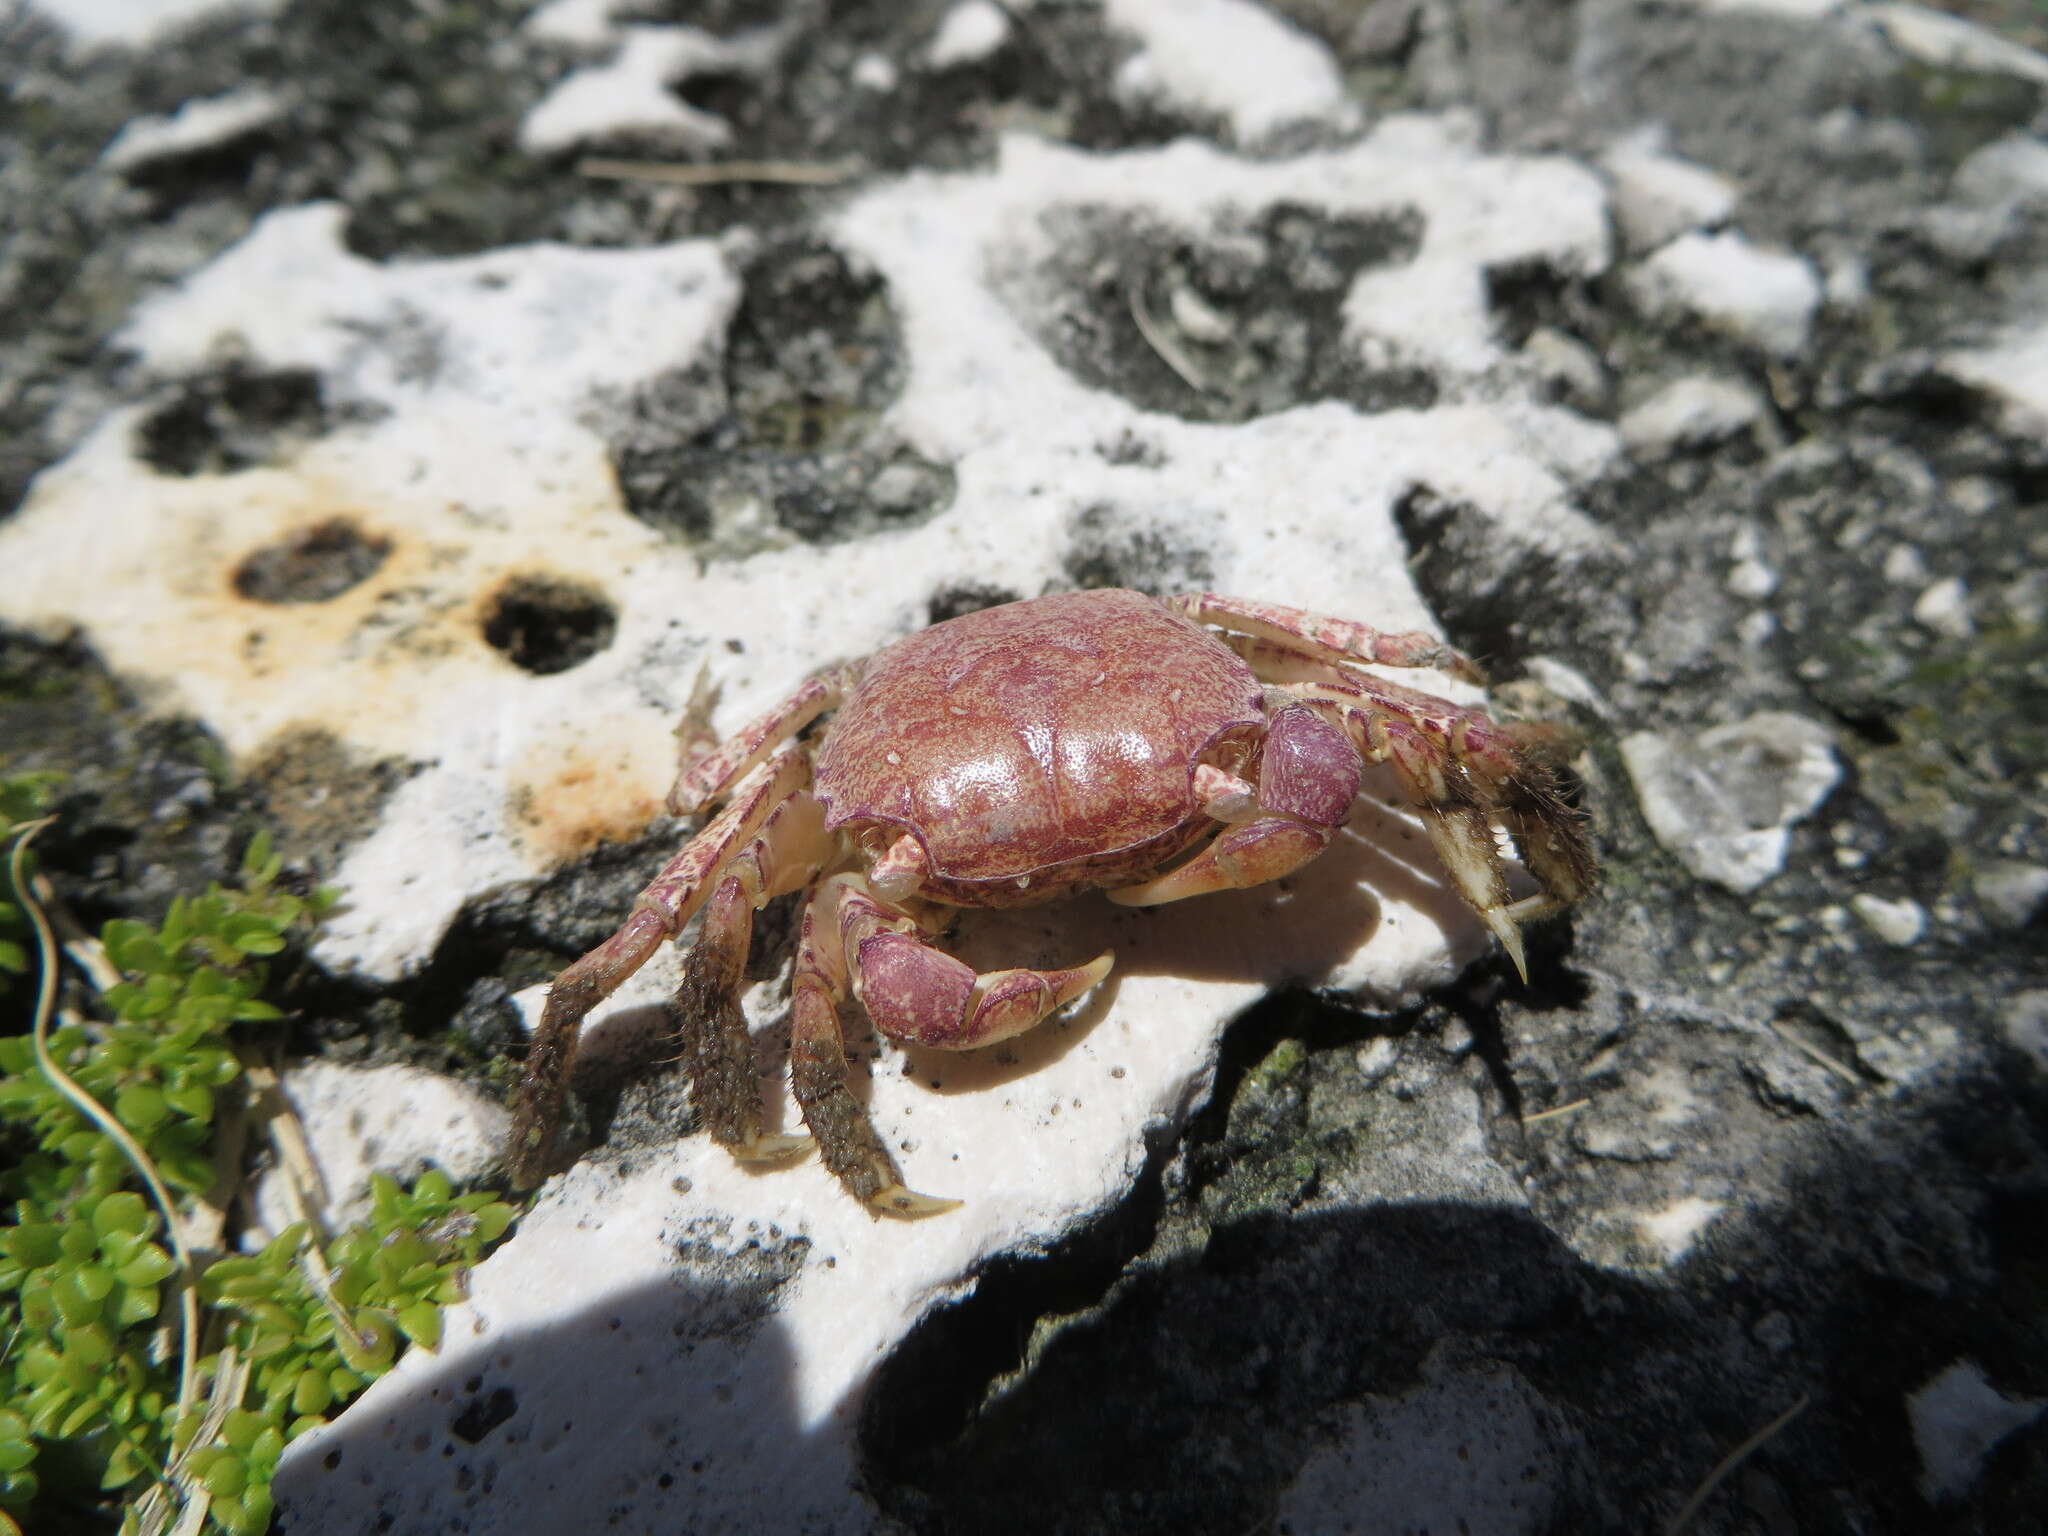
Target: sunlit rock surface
[(371, 473)]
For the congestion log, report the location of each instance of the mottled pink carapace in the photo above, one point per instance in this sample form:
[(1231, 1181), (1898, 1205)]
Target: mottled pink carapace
[(1019, 739)]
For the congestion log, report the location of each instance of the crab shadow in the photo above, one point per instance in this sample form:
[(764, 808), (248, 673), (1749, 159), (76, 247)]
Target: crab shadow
[(1316, 928), (1322, 926), (669, 1405)]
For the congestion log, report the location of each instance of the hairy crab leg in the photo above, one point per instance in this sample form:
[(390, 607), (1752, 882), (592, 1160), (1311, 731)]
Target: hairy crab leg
[(1317, 637), (663, 907), (1461, 767), (854, 941), (1308, 777), (785, 856), (706, 777), (818, 1068)]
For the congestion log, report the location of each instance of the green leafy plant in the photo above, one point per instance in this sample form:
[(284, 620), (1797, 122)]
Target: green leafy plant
[(266, 1344)]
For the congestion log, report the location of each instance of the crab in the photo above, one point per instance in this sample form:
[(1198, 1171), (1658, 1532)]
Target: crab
[(1158, 749)]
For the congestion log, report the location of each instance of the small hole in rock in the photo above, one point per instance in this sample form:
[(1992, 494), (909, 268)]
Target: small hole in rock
[(480, 1418), (719, 92), (544, 626), (313, 565)]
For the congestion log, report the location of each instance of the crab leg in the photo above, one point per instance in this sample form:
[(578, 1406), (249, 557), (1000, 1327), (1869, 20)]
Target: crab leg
[(854, 941), (667, 903), (1316, 637), (818, 1069), (1461, 767), (783, 857), (1308, 777), (706, 777)]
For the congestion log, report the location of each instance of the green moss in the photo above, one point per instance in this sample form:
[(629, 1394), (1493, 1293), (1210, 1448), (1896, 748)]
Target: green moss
[(87, 1273)]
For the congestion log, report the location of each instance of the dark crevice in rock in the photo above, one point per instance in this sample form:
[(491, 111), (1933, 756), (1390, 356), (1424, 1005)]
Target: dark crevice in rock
[(934, 1386)]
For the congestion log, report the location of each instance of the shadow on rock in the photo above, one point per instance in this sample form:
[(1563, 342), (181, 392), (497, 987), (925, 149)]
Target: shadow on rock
[(668, 1407)]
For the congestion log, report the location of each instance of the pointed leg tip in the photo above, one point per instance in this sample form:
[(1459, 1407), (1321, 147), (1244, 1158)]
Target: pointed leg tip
[(907, 1204), (1510, 937), (771, 1149)]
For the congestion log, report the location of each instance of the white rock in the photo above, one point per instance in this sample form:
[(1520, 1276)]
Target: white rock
[(970, 31), (2024, 1023), (2013, 891), (1749, 577), (1472, 1448), (198, 124), (1675, 1230), (1945, 608), (1958, 1419), (1659, 196), (1953, 43), (1567, 364), (1846, 281), (1231, 58), (2014, 371), (1569, 683), (1724, 802), (1796, 10), (574, 23), (392, 1119), (1690, 413), (1899, 922), (2007, 170), (137, 23), (1766, 298), (1905, 566), (874, 72), (632, 96)]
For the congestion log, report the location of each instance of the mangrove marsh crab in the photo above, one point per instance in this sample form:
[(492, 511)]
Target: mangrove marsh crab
[(1021, 754)]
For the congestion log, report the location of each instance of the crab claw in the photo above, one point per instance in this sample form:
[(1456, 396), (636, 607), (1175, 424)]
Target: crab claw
[(915, 993)]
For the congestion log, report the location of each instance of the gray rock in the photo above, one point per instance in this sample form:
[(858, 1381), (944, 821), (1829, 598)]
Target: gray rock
[(1724, 801)]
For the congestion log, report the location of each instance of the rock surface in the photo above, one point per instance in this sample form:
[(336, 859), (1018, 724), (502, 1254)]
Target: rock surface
[(367, 472)]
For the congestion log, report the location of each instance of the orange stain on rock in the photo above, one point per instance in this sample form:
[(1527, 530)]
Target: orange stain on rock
[(566, 800)]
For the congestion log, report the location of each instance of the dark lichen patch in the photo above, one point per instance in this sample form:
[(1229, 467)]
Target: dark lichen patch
[(965, 598), (1238, 320), (236, 419), (1109, 548), (225, 168), (314, 565), (146, 808), (1055, 73), (787, 436), (1500, 600), (545, 625), (317, 796), (739, 1288)]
